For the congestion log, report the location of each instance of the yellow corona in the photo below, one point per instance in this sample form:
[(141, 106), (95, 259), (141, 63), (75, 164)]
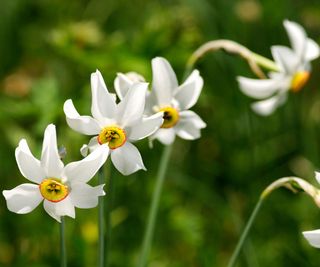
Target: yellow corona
[(113, 136), (299, 80), (53, 189), (170, 117)]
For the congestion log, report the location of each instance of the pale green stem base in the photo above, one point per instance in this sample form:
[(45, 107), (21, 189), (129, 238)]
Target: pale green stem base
[(147, 240), (101, 221), (63, 249), (245, 234)]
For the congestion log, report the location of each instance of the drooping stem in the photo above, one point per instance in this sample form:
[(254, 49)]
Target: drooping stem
[(63, 249), (245, 233), (101, 221), (254, 60), (148, 234), (295, 184)]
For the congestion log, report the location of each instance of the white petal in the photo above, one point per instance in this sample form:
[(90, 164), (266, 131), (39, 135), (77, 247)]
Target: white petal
[(135, 77), (146, 127), (297, 36), (92, 145), (85, 196), (286, 58), (189, 125), (103, 103), (312, 50), (28, 165), (266, 107), (165, 136), (127, 159), (122, 84), (23, 198), (85, 169), (82, 124), (258, 88), (313, 237), (151, 103), (84, 150), (187, 94), (317, 174), (50, 159), (61, 208), (164, 81), (130, 109)]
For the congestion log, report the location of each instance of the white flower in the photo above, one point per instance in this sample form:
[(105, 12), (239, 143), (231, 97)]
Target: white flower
[(123, 82), (115, 124), (61, 187), (313, 237), (171, 99), (294, 71)]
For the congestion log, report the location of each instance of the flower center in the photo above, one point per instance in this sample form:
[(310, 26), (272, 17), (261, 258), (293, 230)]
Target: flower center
[(299, 80), (53, 189), (113, 136), (170, 117)]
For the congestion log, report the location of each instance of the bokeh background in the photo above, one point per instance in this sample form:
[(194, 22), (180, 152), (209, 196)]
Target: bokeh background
[(48, 48)]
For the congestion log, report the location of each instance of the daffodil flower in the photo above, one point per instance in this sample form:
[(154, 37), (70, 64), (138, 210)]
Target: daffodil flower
[(313, 237), (61, 188), (115, 124), (171, 99), (294, 71)]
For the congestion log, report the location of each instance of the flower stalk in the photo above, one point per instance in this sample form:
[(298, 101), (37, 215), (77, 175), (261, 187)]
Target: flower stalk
[(254, 60), (63, 250), (294, 184), (148, 235), (101, 222), (244, 234), (108, 212)]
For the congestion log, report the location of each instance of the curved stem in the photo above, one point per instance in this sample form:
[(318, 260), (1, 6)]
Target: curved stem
[(63, 249), (295, 184), (245, 233), (101, 221), (147, 240), (254, 60)]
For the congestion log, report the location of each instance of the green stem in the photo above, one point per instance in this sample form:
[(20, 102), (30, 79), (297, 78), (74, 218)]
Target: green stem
[(108, 211), (264, 62), (146, 246), (63, 249), (101, 221), (187, 71), (295, 184), (245, 233), (254, 60)]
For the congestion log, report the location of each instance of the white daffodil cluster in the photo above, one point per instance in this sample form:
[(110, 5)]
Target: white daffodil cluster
[(160, 114), (294, 71)]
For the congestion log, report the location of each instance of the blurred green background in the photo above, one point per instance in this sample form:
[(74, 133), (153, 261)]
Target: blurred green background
[(48, 50)]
